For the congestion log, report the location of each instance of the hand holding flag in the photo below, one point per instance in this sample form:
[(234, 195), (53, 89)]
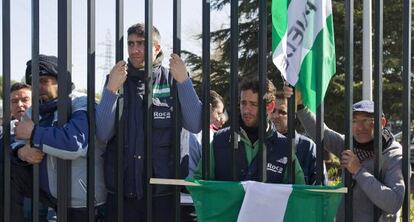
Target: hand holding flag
[(304, 47)]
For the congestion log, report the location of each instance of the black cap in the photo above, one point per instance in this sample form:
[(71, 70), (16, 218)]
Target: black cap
[(48, 65)]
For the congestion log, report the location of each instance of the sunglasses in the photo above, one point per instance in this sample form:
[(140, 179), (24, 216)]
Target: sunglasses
[(280, 112), (364, 122)]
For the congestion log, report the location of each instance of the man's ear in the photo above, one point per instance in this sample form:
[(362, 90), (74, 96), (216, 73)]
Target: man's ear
[(157, 48), (383, 122), (270, 107)]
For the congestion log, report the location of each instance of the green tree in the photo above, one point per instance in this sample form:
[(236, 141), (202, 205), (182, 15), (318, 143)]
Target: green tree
[(1, 86), (334, 111)]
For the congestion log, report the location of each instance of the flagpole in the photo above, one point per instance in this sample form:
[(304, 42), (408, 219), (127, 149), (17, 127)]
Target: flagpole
[(178, 182), (291, 135)]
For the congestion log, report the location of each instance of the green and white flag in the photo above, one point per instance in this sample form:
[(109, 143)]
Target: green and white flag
[(303, 46), (254, 201)]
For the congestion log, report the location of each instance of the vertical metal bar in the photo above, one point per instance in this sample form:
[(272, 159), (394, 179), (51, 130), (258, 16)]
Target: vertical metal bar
[(35, 102), (234, 93), (262, 89), (5, 201), (148, 105), (349, 77), (406, 128), (176, 104), (91, 111), (119, 123), (177, 27), (64, 108), (319, 131), (291, 139), (119, 30), (206, 89), (378, 94)]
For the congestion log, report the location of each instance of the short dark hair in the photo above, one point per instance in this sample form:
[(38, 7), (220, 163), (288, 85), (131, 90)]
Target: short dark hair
[(215, 98), (18, 86), (139, 30), (253, 84), (280, 95)]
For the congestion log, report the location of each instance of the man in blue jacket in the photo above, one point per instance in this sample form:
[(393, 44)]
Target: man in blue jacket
[(131, 76), (45, 142)]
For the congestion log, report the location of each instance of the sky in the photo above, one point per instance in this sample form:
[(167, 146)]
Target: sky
[(191, 25)]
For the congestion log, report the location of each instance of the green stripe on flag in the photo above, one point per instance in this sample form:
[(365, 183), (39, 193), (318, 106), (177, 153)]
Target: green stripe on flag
[(217, 201), (313, 206), (319, 61), (303, 46), (279, 10), (246, 201)]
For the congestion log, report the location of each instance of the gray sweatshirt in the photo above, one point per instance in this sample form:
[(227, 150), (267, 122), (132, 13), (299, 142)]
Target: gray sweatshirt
[(387, 193)]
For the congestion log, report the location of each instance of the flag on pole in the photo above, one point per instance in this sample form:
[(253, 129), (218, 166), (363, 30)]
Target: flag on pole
[(254, 201), (303, 46)]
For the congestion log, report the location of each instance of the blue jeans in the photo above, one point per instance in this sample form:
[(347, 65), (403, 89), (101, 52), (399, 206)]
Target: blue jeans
[(21, 186)]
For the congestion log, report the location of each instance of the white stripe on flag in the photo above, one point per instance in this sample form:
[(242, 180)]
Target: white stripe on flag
[(264, 202), (312, 18)]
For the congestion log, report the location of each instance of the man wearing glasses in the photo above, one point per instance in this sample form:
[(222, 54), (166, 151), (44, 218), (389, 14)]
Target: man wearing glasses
[(385, 192), (305, 147)]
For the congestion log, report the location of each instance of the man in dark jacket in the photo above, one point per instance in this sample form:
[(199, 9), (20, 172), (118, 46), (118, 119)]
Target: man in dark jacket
[(276, 144), (305, 147), (131, 77), (20, 101)]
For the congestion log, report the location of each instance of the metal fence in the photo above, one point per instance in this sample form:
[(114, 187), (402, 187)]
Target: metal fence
[(64, 55)]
